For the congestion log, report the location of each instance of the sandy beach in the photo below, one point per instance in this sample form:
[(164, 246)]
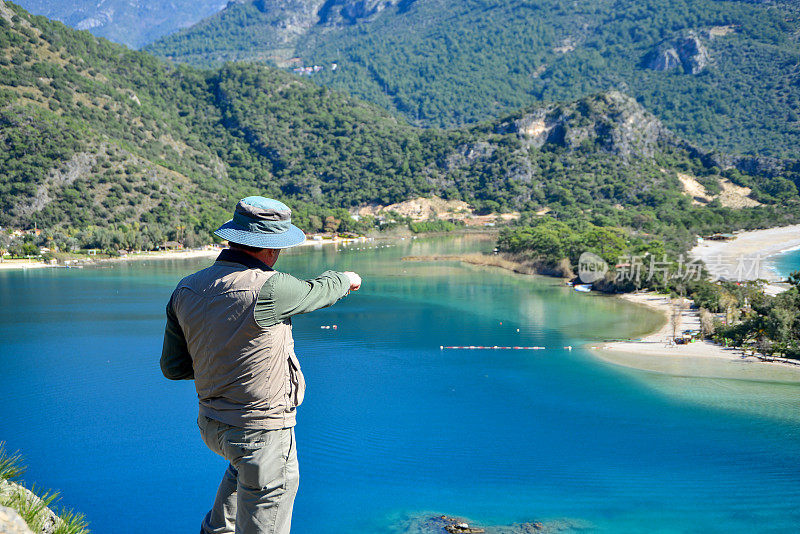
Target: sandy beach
[(89, 260), (22, 264), (654, 352), (746, 256)]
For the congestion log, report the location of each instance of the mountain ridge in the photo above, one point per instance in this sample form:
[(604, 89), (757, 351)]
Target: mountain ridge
[(725, 78), (112, 147), (133, 23)]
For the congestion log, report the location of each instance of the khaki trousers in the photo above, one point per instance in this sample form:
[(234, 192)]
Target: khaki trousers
[(257, 491)]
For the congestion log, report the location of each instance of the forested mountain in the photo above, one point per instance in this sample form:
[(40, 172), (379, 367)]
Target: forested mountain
[(134, 23), (102, 143), (724, 74)]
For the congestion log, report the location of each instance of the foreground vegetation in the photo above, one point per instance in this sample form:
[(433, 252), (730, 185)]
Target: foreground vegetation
[(34, 506)]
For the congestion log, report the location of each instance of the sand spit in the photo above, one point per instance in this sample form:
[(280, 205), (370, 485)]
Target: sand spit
[(654, 352)]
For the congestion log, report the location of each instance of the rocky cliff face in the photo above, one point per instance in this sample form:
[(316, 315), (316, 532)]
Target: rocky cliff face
[(619, 125), (340, 12), (288, 19), (332, 12), (295, 17), (272, 29), (686, 51), (664, 58), (5, 12), (611, 121)]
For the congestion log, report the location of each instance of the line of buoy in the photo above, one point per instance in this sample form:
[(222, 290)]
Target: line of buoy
[(494, 347), (329, 327)]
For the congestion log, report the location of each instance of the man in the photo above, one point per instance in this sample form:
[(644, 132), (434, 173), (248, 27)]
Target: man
[(229, 328)]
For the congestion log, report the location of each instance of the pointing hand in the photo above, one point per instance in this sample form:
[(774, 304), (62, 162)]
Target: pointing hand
[(355, 280)]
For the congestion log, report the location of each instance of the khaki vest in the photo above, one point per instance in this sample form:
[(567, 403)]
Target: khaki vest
[(246, 375)]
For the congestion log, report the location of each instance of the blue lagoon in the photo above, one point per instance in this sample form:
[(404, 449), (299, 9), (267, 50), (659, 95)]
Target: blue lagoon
[(393, 426), (784, 264)]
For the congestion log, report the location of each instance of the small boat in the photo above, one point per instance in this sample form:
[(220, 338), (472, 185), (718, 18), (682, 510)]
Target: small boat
[(583, 288)]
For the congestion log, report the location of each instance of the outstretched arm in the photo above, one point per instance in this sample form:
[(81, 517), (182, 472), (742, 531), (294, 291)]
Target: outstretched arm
[(283, 295)]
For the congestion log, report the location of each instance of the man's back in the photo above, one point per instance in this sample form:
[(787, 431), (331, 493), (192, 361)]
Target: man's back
[(246, 375), (229, 328)]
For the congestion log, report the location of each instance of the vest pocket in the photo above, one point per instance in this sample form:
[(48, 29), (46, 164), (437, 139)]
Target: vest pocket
[(297, 383)]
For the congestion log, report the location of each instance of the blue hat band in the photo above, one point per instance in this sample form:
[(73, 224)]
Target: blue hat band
[(259, 225)]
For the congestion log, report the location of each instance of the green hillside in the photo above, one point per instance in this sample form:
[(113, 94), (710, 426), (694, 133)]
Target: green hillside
[(723, 74), (96, 135), (107, 147)]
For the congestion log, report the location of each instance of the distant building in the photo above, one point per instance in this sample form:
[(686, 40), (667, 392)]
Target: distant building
[(308, 70), (720, 237), (171, 245)]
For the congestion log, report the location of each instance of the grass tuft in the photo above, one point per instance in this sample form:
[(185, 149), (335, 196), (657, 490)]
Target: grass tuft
[(32, 508), (71, 523), (10, 464)]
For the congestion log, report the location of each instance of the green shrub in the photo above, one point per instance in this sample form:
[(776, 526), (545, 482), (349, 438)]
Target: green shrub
[(431, 226)]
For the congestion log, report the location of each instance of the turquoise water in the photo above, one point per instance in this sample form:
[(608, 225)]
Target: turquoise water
[(787, 262), (392, 426)]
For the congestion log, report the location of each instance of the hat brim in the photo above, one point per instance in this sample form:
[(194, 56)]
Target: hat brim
[(290, 238)]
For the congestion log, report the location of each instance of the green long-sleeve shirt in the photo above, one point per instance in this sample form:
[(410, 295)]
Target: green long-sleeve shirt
[(280, 298)]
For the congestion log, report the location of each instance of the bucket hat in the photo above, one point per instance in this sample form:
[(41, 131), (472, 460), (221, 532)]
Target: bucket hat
[(263, 223)]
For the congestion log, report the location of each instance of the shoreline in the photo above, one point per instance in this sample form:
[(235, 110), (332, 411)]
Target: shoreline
[(748, 255), (89, 260), (204, 252), (8, 265), (702, 358)]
